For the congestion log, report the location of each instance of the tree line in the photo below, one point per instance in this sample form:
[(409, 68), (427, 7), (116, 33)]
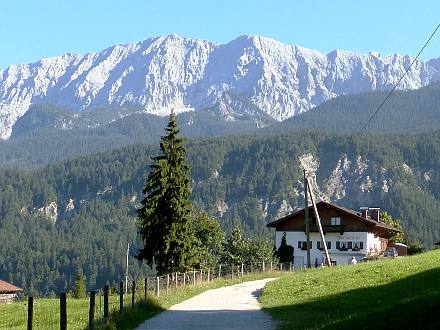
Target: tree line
[(240, 182)]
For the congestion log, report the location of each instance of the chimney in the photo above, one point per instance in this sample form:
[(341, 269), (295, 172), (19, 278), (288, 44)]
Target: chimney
[(375, 213), (364, 212)]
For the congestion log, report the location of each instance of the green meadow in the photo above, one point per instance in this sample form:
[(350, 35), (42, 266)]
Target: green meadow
[(402, 293)]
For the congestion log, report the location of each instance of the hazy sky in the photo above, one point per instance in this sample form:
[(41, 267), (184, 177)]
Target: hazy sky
[(34, 29)]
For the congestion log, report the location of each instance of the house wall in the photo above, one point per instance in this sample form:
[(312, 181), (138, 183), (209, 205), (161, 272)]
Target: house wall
[(370, 244), (373, 244), (7, 298)]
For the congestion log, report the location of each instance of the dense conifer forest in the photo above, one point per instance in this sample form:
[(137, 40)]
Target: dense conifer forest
[(244, 182)]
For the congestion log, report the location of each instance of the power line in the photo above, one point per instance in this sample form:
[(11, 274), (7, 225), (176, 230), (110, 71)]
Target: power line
[(395, 86)]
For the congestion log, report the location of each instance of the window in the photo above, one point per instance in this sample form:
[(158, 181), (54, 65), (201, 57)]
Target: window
[(303, 245), (335, 221), (319, 245), (357, 246), (342, 246)]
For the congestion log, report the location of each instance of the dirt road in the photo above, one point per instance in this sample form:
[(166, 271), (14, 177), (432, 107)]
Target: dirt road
[(233, 307)]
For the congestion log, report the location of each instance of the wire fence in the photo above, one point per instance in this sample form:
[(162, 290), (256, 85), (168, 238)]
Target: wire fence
[(100, 305)]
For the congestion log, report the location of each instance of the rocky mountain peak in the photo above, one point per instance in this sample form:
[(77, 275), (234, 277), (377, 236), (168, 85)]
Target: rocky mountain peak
[(251, 75)]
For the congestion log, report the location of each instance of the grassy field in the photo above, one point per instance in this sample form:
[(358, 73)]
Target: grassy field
[(46, 311), (400, 293)]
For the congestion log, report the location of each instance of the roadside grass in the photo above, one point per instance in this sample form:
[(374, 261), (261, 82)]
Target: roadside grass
[(46, 313), (144, 310), (386, 294)]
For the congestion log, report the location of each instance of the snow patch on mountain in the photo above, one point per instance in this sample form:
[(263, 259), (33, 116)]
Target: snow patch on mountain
[(250, 75)]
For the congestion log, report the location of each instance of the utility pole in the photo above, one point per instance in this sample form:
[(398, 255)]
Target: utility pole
[(318, 223), (307, 223), (126, 268)]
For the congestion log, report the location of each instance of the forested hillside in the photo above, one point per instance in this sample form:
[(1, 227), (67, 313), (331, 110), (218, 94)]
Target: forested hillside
[(47, 133), (79, 214), (404, 112)]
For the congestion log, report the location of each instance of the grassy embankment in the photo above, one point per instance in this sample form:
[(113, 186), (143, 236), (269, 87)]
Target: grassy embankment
[(46, 311), (400, 293)]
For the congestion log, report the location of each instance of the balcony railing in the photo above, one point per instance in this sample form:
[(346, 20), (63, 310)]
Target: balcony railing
[(328, 228)]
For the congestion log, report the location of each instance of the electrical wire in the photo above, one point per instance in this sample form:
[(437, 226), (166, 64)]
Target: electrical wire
[(395, 86)]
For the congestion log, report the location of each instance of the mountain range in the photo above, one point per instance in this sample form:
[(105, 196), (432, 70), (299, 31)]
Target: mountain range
[(251, 77), (79, 133)]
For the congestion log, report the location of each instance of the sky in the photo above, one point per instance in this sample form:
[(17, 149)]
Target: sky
[(35, 29)]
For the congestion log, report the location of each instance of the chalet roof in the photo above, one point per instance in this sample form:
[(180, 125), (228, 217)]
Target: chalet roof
[(6, 287), (352, 213)]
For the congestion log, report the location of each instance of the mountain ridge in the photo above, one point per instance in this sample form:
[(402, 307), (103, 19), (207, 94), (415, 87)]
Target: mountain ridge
[(250, 75)]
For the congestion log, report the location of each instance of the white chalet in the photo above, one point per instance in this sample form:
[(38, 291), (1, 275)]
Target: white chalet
[(347, 233)]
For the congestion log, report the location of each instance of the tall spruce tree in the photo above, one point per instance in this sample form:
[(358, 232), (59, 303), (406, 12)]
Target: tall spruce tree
[(165, 216)]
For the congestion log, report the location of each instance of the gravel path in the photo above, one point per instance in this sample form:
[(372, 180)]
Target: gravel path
[(232, 307)]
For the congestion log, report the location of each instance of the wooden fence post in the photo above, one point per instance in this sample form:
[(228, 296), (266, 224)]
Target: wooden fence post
[(281, 266), (263, 267), (184, 278), (92, 310), (290, 266), (219, 271), (133, 293), (145, 287), (63, 311), (168, 282), (106, 291), (271, 266), (208, 274), (157, 286), (121, 296), (177, 278), (30, 312), (194, 277)]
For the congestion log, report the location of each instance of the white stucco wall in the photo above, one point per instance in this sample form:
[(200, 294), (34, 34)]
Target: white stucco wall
[(370, 243), (373, 243)]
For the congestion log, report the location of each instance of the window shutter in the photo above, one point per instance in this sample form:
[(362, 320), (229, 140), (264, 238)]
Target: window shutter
[(338, 245), (350, 245), (299, 245), (361, 245), (329, 245)]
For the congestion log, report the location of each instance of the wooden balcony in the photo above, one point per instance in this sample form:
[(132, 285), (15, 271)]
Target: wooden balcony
[(328, 229)]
